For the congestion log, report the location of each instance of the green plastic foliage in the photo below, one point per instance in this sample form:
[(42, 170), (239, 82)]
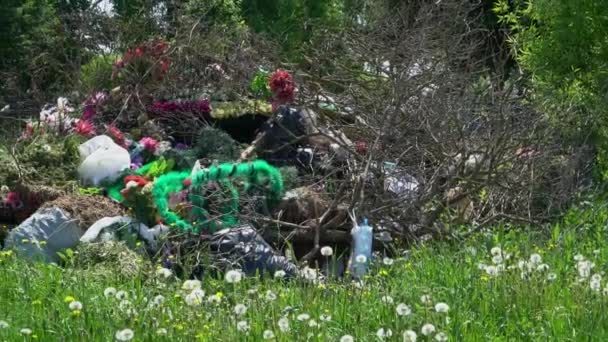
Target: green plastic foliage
[(254, 173)]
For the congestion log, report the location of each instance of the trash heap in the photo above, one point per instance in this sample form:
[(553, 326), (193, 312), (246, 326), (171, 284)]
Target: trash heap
[(234, 193)]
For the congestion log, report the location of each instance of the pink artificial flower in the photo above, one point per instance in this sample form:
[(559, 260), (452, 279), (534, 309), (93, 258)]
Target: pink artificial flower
[(14, 200), (150, 144), (85, 128), (117, 135), (282, 86)]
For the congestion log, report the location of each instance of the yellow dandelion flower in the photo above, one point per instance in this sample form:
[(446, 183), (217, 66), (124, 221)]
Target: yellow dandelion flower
[(219, 294), (321, 286), (76, 313), (25, 241), (37, 302), (179, 327), (42, 243), (383, 272), (69, 299)]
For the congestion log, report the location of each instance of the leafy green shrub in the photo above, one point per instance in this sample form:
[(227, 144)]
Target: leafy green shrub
[(97, 74)]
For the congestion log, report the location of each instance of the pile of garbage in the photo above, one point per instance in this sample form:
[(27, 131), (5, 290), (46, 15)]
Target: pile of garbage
[(166, 199)]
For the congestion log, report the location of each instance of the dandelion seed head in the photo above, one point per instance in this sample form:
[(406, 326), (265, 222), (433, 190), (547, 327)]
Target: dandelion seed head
[(109, 292), (492, 271), (497, 259), (595, 285), (536, 259), (26, 331), (427, 329), (233, 276), (214, 299), (75, 305), (121, 295), (240, 309), (325, 318), (441, 337), (312, 323), (327, 251), (361, 259), (242, 326), (4, 325), (403, 310), (279, 274), (387, 299), (283, 324), (496, 251), (270, 296), (124, 335), (542, 268), (409, 336), (303, 317), (161, 331), (442, 307), (347, 338), (268, 335), (191, 284), (426, 299), (384, 333), (388, 261), (551, 276)]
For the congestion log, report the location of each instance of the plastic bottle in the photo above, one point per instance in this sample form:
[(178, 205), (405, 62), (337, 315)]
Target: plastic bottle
[(361, 248)]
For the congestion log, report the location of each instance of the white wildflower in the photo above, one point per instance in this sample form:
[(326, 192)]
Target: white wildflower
[(195, 297), (595, 285), (388, 261), (214, 299), (426, 299), (109, 292), (279, 274), (496, 251), (124, 335), (233, 276), (409, 336), (327, 251), (596, 277), (347, 338), (596, 252), (384, 333), (427, 329), (283, 324), (442, 307), (121, 295), (312, 323), (441, 337), (242, 326), (403, 310), (240, 309), (361, 259), (536, 259), (25, 331), (309, 273), (268, 335), (4, 325), (542, 268), (191, 284), (551, 276), (164, 272), (492, 271), (75, 305), (497, 259), (303, 317), (387, 299), (158, 300), (270, 296), (584, 268)]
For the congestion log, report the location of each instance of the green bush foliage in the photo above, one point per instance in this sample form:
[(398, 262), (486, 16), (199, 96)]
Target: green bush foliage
[(96, 75)]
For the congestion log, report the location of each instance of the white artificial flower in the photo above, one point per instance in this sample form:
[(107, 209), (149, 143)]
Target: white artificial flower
[(347, 338), (325, 318), (109, 292), (195, 297), (161, 331), (4, 325), (384, 333), (121, 295), (441, 337), (303, 317), (496, 251), (283, 324), (312, 323), (233, 276), (442, 307), (191, 284), (268, 335), (426, 299), (551, 276), (124, 335), (279, 274), (270, 296), (242, 326), (164, 272), (536, 259), (387, 299), (327, 251), (388, 261), (75, 305), (409, 336), (403, 310), (25, 331), (240, 309), (427, 329), (361, 259)]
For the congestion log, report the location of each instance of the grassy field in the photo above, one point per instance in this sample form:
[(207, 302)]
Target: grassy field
[(506, 286)]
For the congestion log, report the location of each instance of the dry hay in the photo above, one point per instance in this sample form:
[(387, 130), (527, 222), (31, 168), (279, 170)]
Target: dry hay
[(87, 209), (109, 258)]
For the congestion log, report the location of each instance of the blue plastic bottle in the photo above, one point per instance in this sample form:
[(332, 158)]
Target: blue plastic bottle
[(361, 248)]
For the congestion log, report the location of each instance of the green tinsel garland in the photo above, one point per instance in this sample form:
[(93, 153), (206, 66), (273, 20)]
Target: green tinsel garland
[(255, 173)]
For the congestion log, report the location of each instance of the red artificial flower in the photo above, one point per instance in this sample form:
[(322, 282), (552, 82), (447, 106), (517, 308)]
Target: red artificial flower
[(141, 181), (164, 65), (282, 86), (117, 135), (85, 128), (361, 147), (139, 51), (187, 182), (150, 144)]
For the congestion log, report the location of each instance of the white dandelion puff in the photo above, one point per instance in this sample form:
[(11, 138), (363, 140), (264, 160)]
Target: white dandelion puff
[(191, 284), (595, 285), (279, 274), (283, 324), (347, 338), (409, 336), (388, 261), (121, 295), (584, 268), (195, 297), (536, 259), (109, 292), (496, 251), (427, 329), (325, 318), (164, 273), (124, 335), (497, 259), (270, 296), (384, 333), (403, 310), (481, 266), (309, 273), (268, 335), (327, 251), (4, 325), (303, 317), (441, 337), (161, 331), (442, 307), (361, 259), (492, 271), (604, 292), (26, 331), (240, 309), (426, 299), (75, 305), (542, 268), (579, 257), (242, 326), (387, 299), (551, 276), (596, 277), (233, 276), (158, 300), (214, 299), (312, 323)]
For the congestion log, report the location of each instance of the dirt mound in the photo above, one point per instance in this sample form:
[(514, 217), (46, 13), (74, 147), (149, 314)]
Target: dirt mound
[(87, 209)]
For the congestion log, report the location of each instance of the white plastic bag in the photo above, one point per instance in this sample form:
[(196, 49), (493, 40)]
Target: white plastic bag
[(103, 159)]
